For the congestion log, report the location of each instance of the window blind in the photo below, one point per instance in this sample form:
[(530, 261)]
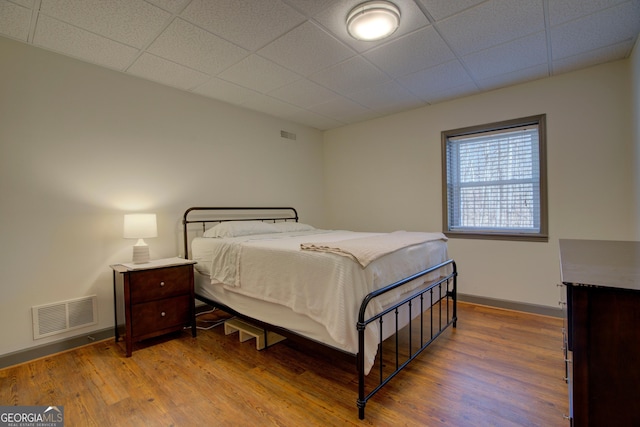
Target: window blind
[(493, 181)]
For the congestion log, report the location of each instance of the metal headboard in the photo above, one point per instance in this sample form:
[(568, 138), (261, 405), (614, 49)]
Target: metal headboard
[(205, 215)]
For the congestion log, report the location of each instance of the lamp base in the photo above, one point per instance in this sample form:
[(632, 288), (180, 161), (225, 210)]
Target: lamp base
[(140, 254)]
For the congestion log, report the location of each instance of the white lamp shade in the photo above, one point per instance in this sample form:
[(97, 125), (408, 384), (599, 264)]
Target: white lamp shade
[(373, 20), (140, 226)]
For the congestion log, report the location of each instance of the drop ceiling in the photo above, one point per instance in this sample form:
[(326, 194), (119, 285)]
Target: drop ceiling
[(293, 59)]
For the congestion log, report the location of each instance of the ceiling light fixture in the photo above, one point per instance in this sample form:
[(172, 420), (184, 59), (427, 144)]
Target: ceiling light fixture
[(373, 20)]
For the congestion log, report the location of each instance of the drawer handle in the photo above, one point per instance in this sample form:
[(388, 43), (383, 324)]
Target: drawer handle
[(163, 314), (161, 283)]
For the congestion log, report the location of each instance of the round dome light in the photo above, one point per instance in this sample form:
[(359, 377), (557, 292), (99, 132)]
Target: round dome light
[(373, 20)]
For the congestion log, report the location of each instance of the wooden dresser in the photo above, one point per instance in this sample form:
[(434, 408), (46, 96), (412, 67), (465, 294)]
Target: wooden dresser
[(602, 323), (153, 299)]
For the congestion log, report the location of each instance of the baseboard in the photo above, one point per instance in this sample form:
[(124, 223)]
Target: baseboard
[(512, 305), (22, 356), (33, 353), (44, 350)]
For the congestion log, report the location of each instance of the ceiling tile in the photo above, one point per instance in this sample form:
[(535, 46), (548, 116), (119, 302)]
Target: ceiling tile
[(248, 23), (314, 120), (593, 57), (224, 91), (440, 9), (14, 21), (172, 6), (436, 79), (476, 28), (186, 44), (64, 38), (561, 11), (451, 93), (416, 51), (303, 93), (387, 98), (344, 110), (306, 49), (132, 22), (351, 75), (505, 58), (271, 106), (257, 73), (160, 70), (310, 7), (25, 3), (515, 77), (609, 27), (334, 19)]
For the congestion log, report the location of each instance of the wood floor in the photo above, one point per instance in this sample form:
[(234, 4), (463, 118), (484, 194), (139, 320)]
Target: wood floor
[(497, 368)]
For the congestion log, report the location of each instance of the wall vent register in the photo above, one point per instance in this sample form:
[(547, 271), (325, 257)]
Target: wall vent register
[(288, 135), (63, 316)]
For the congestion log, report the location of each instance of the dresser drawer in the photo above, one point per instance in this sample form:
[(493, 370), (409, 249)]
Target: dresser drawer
[(160, 283), (156, 316)]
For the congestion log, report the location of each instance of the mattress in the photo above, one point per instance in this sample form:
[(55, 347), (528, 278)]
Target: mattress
[(315, 294)]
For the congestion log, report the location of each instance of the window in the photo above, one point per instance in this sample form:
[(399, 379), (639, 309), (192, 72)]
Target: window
[(494, 180)]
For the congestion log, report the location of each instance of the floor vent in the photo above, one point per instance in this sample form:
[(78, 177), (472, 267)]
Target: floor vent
[(59, 317)]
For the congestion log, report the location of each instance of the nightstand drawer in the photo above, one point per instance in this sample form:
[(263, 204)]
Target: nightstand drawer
[(160, 283), (153, 299), (157, 316)]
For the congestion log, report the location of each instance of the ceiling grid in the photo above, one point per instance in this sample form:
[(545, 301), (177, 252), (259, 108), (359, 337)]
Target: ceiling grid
[(294, 58)]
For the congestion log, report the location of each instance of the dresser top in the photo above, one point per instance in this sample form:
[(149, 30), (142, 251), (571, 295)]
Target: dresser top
[(608, 263)]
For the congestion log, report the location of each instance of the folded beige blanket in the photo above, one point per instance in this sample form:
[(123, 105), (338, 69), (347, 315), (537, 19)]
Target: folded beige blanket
[(364, 250)]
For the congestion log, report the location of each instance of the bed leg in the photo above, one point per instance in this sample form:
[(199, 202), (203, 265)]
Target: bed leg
[(455, 312), (454, 294), (362, 399), (361, 409)]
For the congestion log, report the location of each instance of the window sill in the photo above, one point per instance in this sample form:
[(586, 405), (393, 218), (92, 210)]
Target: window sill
[(497, 236)]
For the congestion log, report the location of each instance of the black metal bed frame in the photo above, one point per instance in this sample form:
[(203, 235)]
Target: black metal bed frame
[(433, 296)]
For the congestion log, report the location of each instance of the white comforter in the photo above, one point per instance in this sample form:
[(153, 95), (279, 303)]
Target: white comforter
[(367, 249), (326, 287)]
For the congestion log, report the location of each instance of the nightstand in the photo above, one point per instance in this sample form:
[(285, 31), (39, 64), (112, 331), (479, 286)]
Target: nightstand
[(153, 299)]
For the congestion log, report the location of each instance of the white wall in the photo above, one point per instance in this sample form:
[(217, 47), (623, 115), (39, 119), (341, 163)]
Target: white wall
[(386, 175), (80, 146), (635, 119)]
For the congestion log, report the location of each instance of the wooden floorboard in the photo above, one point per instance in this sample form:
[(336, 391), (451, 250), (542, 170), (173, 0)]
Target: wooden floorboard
[(497, 368)]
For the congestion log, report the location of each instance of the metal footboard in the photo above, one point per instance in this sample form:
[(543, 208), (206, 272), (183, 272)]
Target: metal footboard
[(431, 299), (437, 297)]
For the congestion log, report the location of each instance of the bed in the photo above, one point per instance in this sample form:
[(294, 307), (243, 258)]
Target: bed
[(350, 291)]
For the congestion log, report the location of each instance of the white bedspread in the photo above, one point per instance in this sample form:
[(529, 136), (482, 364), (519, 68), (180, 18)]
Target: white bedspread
[(323, 286), (367, 249)]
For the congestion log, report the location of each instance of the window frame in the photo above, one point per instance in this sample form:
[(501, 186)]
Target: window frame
[(543, 234)]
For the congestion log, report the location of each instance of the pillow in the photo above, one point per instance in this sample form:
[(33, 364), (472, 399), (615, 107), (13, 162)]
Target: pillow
[(292, 226), (239, 228)]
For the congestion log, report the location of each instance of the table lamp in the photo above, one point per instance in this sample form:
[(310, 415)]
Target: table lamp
[(140, 226)]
